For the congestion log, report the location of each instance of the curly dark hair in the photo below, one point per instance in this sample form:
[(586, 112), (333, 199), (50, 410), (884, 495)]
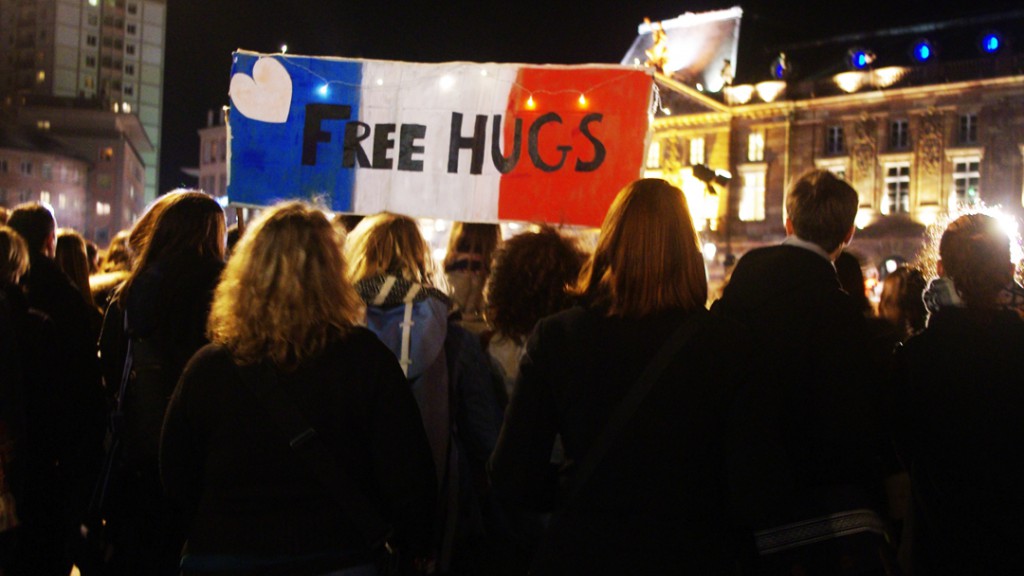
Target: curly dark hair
[(530, 277)]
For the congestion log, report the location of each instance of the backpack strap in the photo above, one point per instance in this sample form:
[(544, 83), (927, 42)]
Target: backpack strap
[(407, 324)]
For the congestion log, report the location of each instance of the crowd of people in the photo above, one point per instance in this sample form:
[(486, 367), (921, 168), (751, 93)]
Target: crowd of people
[(320, 397)]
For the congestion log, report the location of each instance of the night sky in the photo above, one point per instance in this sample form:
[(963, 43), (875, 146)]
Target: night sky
[(201, 35)]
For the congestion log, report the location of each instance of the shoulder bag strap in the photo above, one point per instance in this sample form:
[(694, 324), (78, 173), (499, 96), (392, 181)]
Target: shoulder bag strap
[(617, 422), (314, 453)]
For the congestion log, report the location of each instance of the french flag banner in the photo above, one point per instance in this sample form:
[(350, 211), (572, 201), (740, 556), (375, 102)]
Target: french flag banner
[(460, 141)]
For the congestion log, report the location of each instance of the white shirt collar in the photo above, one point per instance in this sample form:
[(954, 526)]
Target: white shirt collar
[(793, 240)]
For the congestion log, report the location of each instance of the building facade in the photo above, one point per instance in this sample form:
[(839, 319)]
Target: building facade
[(36, 168), (107, 52), (917, 144)]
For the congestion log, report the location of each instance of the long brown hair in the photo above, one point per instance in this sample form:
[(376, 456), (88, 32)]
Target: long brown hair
[(13, 256), (472, 238), (387, 243), (71, 257), (190, 229), (648, 256), (284, 294)]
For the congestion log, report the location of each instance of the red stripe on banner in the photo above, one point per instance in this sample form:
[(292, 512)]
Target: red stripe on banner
[(565, 180)]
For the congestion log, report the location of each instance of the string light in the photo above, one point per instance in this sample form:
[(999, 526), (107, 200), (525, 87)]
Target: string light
[(582, 100), (530, 103), (323, 90)]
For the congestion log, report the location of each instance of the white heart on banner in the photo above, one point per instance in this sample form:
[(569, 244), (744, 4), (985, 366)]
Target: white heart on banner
[(266, 95)]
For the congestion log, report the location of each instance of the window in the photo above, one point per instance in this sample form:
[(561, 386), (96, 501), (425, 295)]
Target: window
[(752, 197), (94, 19), (62, 201), (966, 176), (24, 196), (834, 143), (88, 82), (46, 171), (42, 124), (696, 151), (103, 181), (654, 155), (133, 9), (40, 76), (755, 147), (90, 40), (129, 90), (968, 129), (90, 61), (129, 69), (26, 168), (131, 29), (897, 189), (102, 209), (44, 196), (899, 135), (129, 49), (3, 166)]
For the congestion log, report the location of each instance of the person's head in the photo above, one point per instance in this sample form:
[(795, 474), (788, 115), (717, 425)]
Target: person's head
[(188, 231), (821, 208), (648, 256), (900, 302), (389, 243), (4, 215), (13, 256), (530, 277), (474, 240), (143, 229), (36, 224), (284, 294), (117, 257), (851, 277), (92, 252), (71, 257), (975, 253)]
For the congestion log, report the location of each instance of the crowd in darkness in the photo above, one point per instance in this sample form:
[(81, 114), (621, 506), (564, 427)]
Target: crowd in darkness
[(317, 396)]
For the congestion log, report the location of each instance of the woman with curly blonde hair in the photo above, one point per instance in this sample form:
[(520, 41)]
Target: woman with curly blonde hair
[(285, 311)]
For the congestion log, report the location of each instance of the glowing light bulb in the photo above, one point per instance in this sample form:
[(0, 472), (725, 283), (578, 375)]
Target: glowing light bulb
[(583, 100), (483, 72), (284, 48), (380, 81), (530, 103), (322, 90), (447, 82)]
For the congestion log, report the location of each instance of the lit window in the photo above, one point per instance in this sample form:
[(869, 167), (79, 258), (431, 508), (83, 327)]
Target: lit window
[(40, 76), (44, 197), (899, 135), (654, 155), (968, 129), (102, 209), (755, 147), (897, 189), (966, 177), (62, 201), (752, 197), (834, 143), (88, 82), (696, 151), (43, 124)]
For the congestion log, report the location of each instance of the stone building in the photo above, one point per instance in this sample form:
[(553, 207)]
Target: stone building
[(918, 138)]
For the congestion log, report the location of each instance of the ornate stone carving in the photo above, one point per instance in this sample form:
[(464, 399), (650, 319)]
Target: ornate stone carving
[(864, 146), (929, 143)]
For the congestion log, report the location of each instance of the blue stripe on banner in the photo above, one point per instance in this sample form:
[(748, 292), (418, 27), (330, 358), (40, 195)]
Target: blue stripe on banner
[(266, 157)]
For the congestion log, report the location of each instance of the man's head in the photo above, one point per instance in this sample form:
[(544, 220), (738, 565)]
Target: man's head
[(821, 208), (36, 224)]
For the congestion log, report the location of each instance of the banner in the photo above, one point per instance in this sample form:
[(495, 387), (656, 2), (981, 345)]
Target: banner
[(459, 141)]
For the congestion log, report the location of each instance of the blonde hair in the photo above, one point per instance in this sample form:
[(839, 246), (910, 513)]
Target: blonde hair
[(284, 295), (13, 255), (387, 243), (648, 256)]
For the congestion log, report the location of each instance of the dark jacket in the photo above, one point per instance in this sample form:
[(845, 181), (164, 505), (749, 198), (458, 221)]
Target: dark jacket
[(657, 503), (960, 421), (815, 390), (225, 458)]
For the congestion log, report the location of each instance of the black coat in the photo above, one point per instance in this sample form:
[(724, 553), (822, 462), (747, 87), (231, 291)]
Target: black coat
[(657, 504), (960, 415), (815, 432), (224, 457)]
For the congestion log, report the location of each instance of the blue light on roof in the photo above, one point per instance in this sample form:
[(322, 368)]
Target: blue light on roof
[(923, 51), (860, 59), (990, 43)]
